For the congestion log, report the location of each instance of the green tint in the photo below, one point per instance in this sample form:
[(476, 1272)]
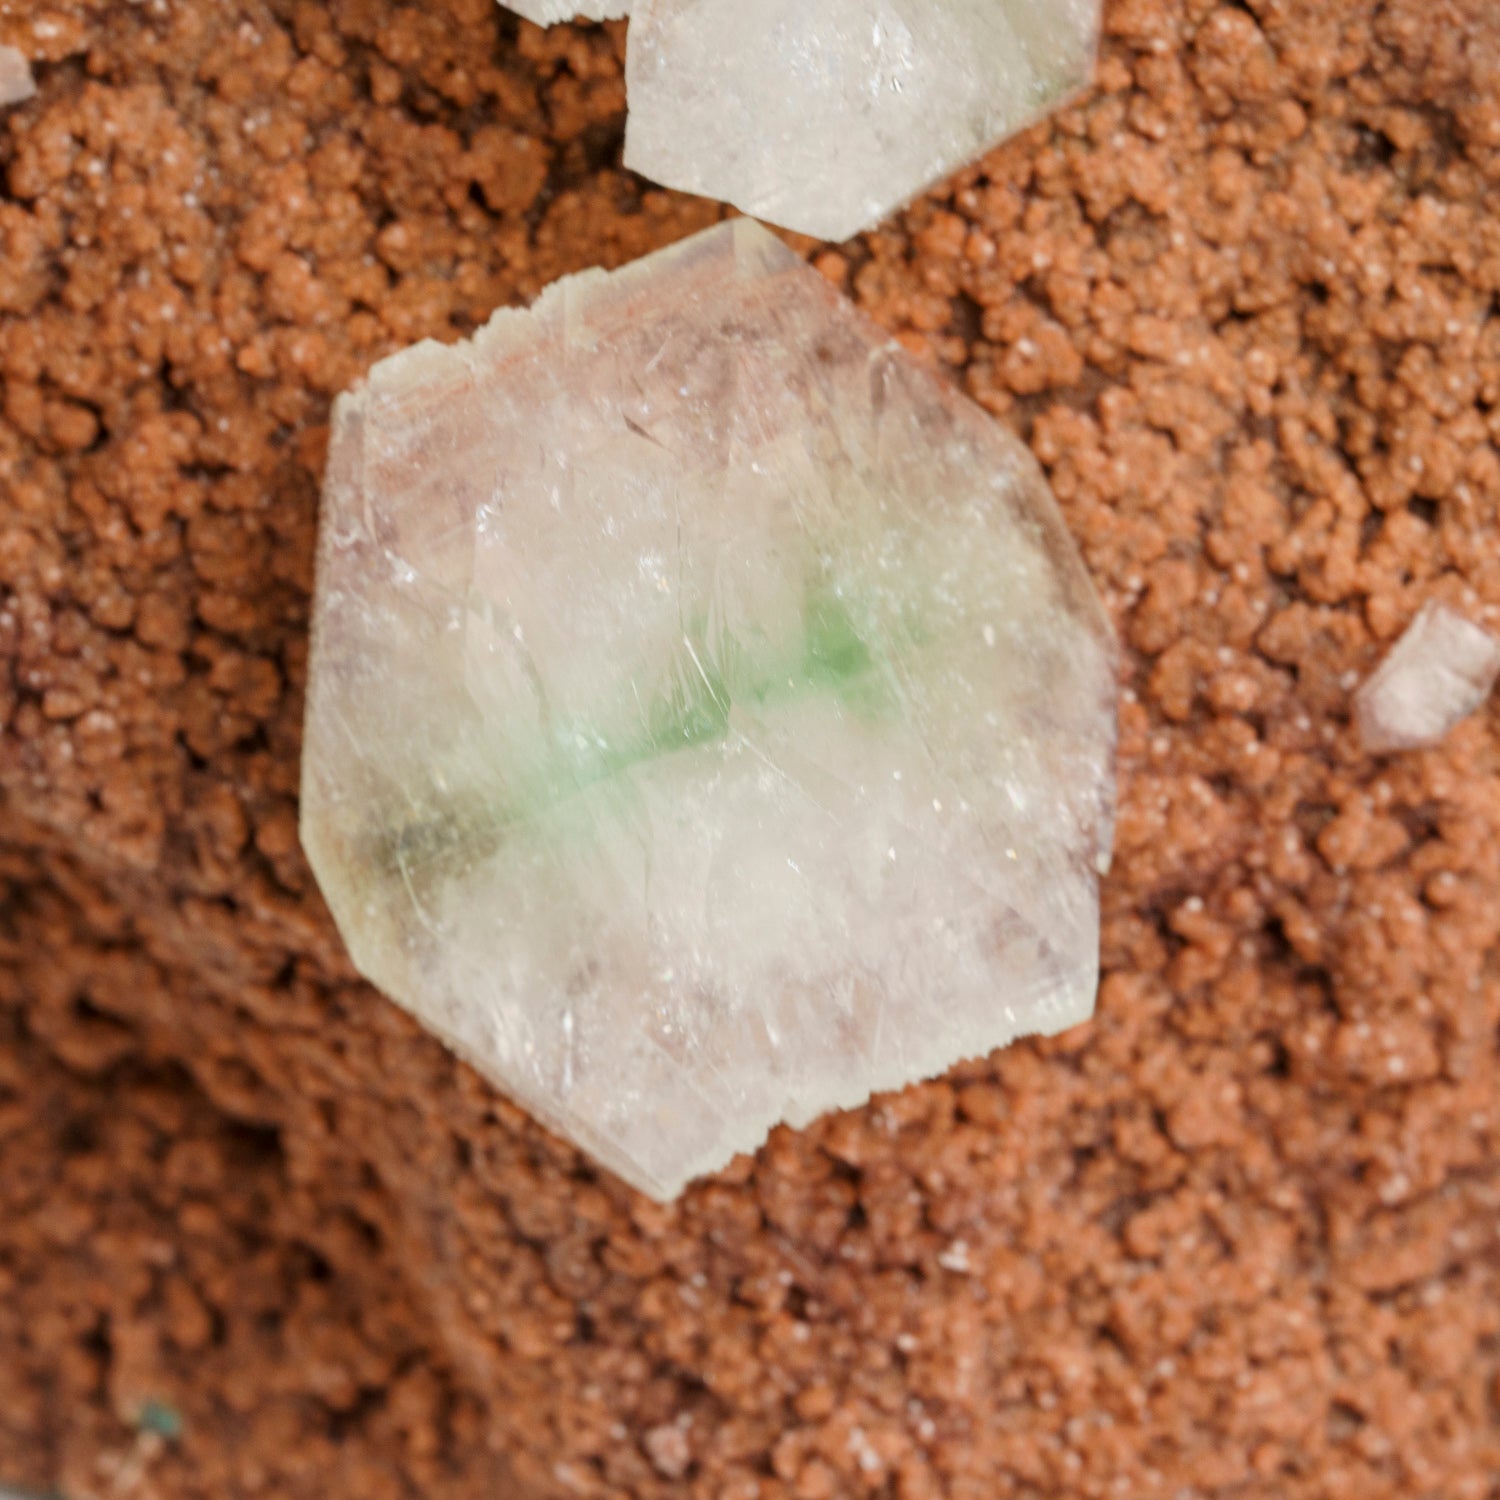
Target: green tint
[(165, 1421), (833, 653), (690, 709), (705, 681), (693, 711)]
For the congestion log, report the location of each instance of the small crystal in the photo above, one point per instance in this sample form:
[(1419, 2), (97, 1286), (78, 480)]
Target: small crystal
[(827, 116), (550, 12), (16, 83), (709, 720), (1438, 673)]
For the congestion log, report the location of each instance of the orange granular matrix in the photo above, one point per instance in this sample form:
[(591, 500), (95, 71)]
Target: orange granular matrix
[(1238, 1237)]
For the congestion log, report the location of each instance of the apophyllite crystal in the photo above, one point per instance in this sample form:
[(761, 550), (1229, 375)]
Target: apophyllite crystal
[(709, 718), (826, 115), (1436, 675)]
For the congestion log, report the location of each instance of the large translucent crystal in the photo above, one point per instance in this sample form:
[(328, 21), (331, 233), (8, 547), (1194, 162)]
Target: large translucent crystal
[(826, 115), (709, 718)]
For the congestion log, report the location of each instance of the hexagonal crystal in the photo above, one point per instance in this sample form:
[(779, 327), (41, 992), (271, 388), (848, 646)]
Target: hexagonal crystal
[(709, 718), (827, 116)]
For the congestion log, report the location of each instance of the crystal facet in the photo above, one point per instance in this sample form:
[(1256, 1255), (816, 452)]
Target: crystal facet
[(710, 720), (550, 12), (16, 83), (1438, 673), (827, 116)]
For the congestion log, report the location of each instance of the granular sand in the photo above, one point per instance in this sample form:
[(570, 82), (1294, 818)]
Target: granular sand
[(1238, 1237)]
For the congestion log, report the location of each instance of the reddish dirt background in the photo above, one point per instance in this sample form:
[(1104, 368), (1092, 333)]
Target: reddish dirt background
[(1238, 1237)]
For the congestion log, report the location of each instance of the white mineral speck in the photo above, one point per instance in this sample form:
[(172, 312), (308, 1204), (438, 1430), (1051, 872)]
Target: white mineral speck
[(955, 1257)]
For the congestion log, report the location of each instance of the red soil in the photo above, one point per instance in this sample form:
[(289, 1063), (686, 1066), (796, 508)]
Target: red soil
[(1238, 1237)]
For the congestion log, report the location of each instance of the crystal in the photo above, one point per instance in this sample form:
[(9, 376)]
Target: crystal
[(827, 117), (1437, 674), (709, 718), (550, 12), (16, 83)]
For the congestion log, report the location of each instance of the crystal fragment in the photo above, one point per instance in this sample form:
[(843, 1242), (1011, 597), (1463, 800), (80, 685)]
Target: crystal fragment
[(827, 117), (550, 12), (1437, 674), (16, 83), (709, 719)]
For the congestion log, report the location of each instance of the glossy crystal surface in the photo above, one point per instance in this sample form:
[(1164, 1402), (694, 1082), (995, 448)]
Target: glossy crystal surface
[(826, 117), (709, 718)]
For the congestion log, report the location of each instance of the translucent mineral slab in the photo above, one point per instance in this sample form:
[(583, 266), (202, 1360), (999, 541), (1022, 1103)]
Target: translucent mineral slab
[(709, 719), (550, 12), (1437, 674), (826, 117), (16, 83)]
